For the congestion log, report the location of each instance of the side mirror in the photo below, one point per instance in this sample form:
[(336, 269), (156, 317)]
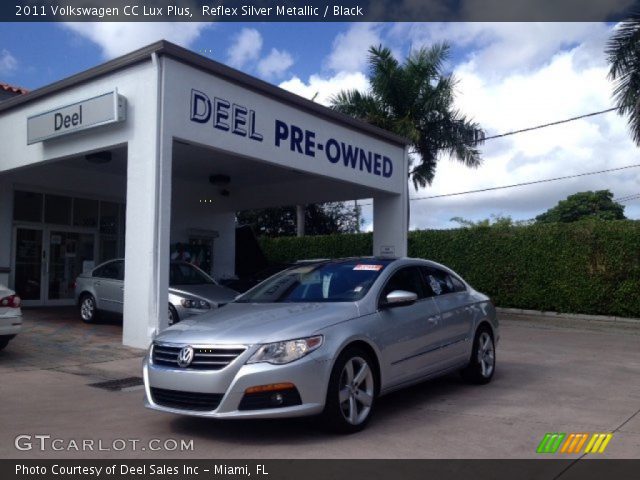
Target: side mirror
[(398, 298)]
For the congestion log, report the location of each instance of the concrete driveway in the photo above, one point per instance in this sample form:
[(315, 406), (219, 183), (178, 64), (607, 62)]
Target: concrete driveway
[(552, 376)]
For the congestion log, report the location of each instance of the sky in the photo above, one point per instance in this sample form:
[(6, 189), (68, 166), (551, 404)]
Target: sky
[(510, 76)]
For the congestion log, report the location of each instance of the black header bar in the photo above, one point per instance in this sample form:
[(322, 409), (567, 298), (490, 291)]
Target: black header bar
[(317, 10)]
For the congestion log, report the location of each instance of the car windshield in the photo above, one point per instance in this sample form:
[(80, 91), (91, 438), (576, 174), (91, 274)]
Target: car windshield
[(187, 274), (344, 281)]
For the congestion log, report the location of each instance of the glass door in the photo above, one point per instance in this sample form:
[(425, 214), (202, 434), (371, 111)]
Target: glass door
[(28, 271), (69, 254)]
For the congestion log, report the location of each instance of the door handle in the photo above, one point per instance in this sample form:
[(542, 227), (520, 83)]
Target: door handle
[(432, 320), (96, 284)]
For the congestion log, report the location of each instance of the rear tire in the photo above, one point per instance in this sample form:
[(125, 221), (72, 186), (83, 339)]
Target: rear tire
[(88, 308), (482, 365), (351, 393)]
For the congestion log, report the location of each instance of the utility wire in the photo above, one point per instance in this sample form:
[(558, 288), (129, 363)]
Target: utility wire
[(522, 130), (528, 183), (551, 124), (545, 180)]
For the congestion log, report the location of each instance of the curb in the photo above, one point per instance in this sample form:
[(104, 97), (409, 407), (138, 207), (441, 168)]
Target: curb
[(570, 316)]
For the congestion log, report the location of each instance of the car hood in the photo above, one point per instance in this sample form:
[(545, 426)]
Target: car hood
[(252, 323), (211, 292)]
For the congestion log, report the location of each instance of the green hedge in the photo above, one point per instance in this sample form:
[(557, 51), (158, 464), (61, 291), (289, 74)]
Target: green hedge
[(590, 267)]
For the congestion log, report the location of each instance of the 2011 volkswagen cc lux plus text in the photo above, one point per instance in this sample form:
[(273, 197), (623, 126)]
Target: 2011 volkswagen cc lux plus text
[(324, 338)]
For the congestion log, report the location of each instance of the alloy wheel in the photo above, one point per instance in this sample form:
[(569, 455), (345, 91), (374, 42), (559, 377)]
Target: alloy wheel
[(356, 390), (486, 354), (87, 309)]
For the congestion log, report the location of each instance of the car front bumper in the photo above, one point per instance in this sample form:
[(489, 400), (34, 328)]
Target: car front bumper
[(10, 322), (309, 375)]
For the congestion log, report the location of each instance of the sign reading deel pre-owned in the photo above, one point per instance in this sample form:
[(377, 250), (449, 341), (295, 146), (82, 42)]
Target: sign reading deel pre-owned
[(93, 112)]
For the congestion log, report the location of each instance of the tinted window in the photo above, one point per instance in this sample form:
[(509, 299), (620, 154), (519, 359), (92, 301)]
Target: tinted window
[(186, 274), (345, 281), (112, 270), (440, 282), (27, 206), (407, 279)]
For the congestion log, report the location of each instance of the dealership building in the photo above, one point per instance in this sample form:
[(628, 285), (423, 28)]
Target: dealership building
[(164, 146)]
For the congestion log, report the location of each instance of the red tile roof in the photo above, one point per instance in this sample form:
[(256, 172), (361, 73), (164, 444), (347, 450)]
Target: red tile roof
[(10, 88)]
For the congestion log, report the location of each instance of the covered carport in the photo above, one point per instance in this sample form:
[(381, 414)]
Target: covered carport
[(186, 142)]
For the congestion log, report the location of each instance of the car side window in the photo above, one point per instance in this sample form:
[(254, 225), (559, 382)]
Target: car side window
[(407, 279), (111, 270), (440, 282)]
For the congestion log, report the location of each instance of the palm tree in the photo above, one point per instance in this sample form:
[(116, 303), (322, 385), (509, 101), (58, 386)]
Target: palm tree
[(623, 51), (415, 100)]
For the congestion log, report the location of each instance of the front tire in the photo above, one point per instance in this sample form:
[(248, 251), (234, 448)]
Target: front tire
[(351, 393), (88, 308), (4, 341), (483, 358), (173, 315)]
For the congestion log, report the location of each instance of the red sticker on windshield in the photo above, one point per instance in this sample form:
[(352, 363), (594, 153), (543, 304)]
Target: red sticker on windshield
[(363, 266)]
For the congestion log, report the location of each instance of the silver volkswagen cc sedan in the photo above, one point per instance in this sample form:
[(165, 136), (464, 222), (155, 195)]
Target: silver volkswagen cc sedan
[(324, 338)]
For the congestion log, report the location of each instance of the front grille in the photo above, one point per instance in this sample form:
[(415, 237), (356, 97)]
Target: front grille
[(211, 358), (186, 400)]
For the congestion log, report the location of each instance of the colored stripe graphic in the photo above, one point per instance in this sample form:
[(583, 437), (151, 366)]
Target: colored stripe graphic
[(551, 442), (555, 442), (598, 443), (574, 442)]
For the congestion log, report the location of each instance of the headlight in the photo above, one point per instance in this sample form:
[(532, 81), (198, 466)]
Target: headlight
[(194, 303), (279, 353)]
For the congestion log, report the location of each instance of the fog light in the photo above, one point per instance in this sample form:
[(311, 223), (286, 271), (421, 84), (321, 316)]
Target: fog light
[(272, 387), (277, 399)]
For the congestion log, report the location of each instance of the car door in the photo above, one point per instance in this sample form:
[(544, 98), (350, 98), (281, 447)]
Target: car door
[(407, 339), (108, 283), (456, 315)]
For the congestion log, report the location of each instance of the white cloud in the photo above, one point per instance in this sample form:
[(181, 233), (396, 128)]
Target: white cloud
[(570, 82), (118, 38), (246, 47), (350, 49), (8, 63), (275, 64), (323, 88), (496, 49)]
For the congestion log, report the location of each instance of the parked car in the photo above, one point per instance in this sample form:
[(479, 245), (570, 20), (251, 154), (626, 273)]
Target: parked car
[(191, 291), (10, 315), (324, 338)]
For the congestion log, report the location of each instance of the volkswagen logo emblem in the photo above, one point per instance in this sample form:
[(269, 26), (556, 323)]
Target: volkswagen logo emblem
[(185, 357)]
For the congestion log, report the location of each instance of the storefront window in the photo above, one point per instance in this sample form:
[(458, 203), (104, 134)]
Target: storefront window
[(57, 209), (85, 213), (27, 206), (109, 218)]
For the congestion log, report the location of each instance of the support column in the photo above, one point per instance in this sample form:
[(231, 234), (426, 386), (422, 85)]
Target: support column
[(6, 231), (391, 218), (390, 226), (147, 241)]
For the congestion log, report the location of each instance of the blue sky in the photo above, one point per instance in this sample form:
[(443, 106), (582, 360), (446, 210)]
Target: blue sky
[(511, 76)]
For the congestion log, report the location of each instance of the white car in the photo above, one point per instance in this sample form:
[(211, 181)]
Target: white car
[(10, 315)]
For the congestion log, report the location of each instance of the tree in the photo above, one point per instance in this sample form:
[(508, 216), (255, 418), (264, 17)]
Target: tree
[(415, 100), (494, 220), (320, 219), (623, 51), (581, 205)]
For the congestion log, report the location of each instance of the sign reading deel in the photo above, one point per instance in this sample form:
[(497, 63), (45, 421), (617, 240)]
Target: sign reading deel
[(93, 112)]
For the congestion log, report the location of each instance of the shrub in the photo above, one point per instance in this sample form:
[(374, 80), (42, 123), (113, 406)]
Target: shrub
[(590, 267)]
